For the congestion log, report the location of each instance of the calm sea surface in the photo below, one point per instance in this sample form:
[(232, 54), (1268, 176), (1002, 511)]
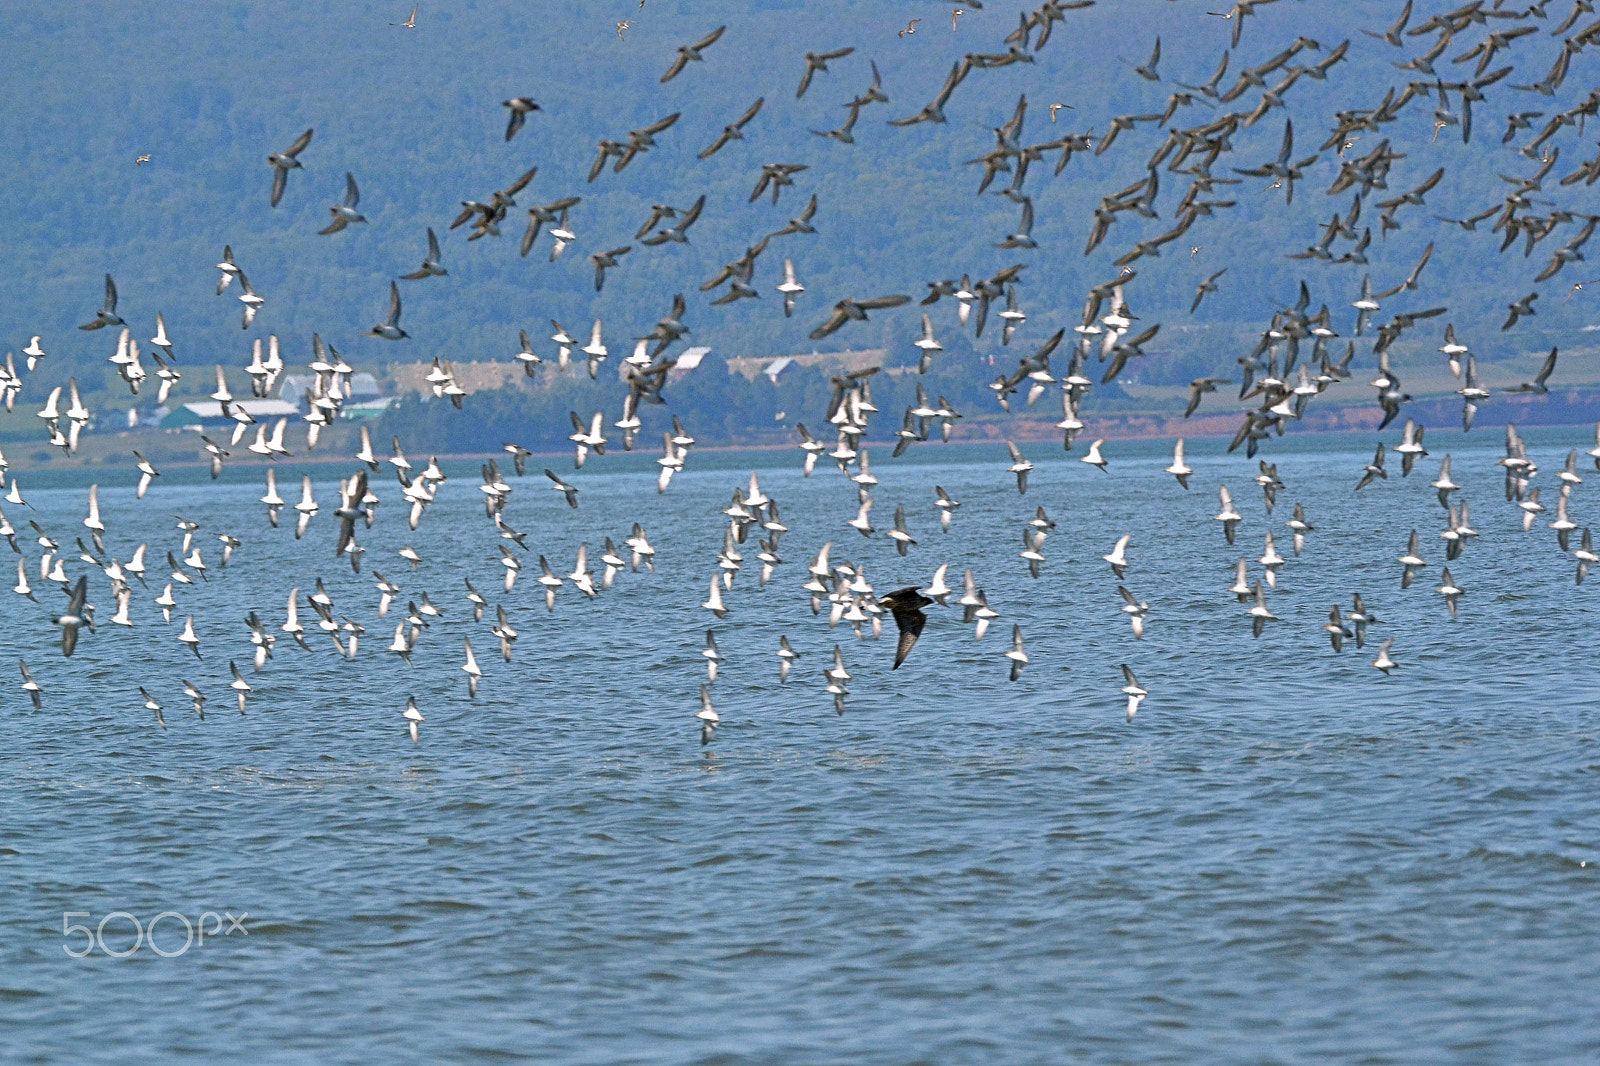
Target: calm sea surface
[(1286, 857)]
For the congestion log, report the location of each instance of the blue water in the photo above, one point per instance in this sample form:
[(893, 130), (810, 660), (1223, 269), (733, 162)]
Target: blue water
[(1286, 857)]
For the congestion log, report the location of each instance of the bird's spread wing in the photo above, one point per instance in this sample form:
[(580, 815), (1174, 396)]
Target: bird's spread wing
[(694, 213), (522, 182), (910, 620), (837, 319)]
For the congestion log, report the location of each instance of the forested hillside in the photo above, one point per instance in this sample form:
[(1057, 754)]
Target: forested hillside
[(415, 114)]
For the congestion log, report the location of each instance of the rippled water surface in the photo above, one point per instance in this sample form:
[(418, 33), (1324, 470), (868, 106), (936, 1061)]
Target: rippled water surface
[(1285, 857)]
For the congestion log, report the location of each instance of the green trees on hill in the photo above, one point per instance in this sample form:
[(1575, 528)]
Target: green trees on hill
[(415, 114)]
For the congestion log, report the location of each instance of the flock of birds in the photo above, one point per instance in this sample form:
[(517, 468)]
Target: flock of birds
[(1294, 362)]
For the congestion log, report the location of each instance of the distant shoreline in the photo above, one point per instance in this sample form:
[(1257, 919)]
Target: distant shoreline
[(1577, 410)]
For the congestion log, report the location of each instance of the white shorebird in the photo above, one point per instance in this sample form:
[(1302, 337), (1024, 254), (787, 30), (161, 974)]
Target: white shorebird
[(238, 684), (1411, 560), (413, 717), (862, 522), (1336, 629), (1448, 589), (1241, 582), (1531, 508), (389, 328), (1136, 610), (1444, 484), (197, 698), (1410, 448), (712, 656), (402, 643), (927, 345), (473, 672), (431, 266), (1586, 556), (1229, 518), (786, 657), (188, 637), (791, 288), (570, 491), (1094, 458), (1118, 558), (714, 602), (1018, 657), (902, 539), (1453, 350), (1270, 561), (153, 705), (1260, 613), (707, 715), (837, 674), (1032, 542), (1300, 527), (1133, 690), (282, 162), (251, 299), (1020, 467), (1179, 469), (30, 686), (75, 617), (344, 212)]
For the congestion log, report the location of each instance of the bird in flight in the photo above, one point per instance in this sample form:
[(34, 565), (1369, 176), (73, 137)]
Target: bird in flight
[(345, 213), (285, 161), (142, 160), (955, 13), (816, 61), (431, 266), (911, 27), (411, 23), (624, 24), (389, 328), (691, 53), (906, 605), (107, 315), (1057, 107), (73, 620), (520, 106)]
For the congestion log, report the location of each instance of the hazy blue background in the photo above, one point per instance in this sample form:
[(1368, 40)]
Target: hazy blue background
[(1287, 857), (209, 91)]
